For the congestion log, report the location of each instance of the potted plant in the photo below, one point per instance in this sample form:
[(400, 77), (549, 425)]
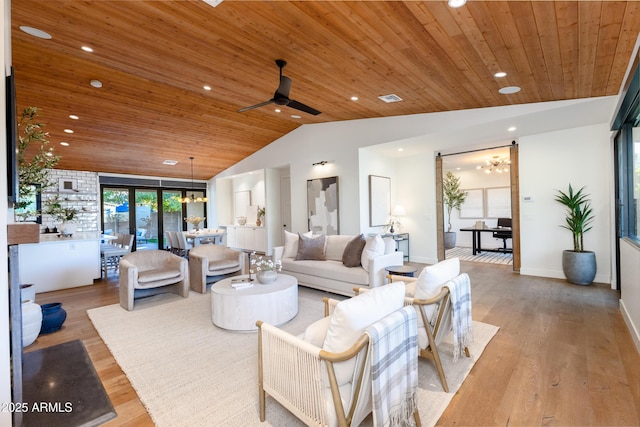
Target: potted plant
[(33, 171), (65, 215), (261, 213), (578, 265), (453, 198)]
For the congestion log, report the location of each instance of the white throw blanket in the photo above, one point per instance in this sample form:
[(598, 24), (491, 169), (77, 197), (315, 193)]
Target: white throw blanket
[(393, 354), (460, 290)]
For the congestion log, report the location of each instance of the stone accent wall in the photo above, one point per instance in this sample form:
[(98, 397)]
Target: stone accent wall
[(85, 198)]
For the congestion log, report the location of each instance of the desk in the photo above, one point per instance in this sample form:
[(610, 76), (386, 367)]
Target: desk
[(477, 244)]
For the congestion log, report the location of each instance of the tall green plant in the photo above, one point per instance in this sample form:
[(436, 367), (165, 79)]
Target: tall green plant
[(35, 169), (579, 215), (453, 196)]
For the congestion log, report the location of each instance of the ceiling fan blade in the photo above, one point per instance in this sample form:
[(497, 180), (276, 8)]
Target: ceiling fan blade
[(284, 88), (300, 106), (262, 104)]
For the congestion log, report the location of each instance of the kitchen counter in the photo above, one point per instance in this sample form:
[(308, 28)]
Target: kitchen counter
[(60, 262)]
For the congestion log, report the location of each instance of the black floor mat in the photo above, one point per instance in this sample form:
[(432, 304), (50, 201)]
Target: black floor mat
[(61, 388)]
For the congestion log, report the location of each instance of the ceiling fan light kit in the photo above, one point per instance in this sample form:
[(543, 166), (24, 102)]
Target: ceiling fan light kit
[(281, 95)]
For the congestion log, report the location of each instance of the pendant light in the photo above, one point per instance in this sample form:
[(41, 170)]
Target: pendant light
[(193, 198)]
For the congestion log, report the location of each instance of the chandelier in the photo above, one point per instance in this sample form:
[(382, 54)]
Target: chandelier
[(495, 164), (193, 198)]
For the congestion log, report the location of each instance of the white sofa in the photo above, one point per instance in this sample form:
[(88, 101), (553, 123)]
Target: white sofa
[(331, 274)]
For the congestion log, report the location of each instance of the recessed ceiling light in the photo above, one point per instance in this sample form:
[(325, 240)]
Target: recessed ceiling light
[(512, 129), (66, 144), (400, 149), (354, 98), (73, 117), (500, 74), (277, 110), (170, 162), (213, 3), (68, 131), (96, 83), (206, 87), (456, 3), (509, 90), (87, 49), (295, 116), (35, 32)]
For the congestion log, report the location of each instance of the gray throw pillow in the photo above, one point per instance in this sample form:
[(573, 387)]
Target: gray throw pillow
[(311, 248), (353, 251)]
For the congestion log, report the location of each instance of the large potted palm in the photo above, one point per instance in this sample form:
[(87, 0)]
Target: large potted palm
[(453, 198), (578, 265)]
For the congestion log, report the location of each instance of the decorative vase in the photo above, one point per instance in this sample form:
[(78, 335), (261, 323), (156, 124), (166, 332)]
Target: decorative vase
[(68, 228), (258, 222), (266, 277), (31, 322), (579, 267), (28, 292), (53, 316)]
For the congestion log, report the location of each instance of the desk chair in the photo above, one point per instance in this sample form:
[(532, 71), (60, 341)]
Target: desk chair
[(504, 235)]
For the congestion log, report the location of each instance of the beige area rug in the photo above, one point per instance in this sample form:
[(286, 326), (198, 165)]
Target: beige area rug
[(188, 372)]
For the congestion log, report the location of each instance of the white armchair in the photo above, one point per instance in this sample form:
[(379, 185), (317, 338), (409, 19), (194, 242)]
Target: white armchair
[(152, 271), (324, 376), (210, 261)]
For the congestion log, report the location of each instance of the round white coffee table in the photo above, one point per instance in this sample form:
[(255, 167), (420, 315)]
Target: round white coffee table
[(239, 309)]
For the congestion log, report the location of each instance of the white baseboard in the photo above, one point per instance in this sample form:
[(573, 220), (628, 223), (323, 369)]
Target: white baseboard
[(633, 330)]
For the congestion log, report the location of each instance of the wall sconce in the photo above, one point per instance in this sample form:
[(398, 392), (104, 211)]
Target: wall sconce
[(320, 163)]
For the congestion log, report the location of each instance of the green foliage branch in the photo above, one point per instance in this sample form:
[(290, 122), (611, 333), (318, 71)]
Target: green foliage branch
[(453, 196), (579, 214)]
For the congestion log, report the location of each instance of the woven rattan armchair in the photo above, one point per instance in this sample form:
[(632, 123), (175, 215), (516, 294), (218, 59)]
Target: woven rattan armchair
[(303, 377)]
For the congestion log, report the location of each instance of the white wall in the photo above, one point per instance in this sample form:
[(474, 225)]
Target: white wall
[(548, 162), (372, 163)]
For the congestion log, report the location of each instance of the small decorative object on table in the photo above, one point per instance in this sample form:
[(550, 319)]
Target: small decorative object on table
[(261, 212), (53, 316), (195, 221), (266, 269)]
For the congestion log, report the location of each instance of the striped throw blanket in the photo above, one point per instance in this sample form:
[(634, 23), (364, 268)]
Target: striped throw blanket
[(393, 354), (460, 290)]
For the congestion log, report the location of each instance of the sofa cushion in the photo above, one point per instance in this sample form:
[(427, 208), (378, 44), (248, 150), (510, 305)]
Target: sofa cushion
[(311, 248), (434, 276), (352, 316), (374, 247), (157, 274), (222, 264), (335, 246), (291, 243), (316, 332), (330, 270), (352, 255)]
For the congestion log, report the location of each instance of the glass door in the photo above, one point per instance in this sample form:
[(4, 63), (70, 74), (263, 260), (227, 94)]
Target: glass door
[(115, 211), (146, 217), (171, 213)]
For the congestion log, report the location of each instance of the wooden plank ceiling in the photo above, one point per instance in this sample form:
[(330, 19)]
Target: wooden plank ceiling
[(153, 58)]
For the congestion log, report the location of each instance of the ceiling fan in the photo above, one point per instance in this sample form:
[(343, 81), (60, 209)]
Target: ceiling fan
[(281, 95)]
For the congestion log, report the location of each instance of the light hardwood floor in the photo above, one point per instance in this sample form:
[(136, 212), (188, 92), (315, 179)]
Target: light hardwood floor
[(563, 355)]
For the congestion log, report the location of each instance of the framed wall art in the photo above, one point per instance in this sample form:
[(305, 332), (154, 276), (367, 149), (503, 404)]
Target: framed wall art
[(322, 206), (473, 206), (379, 200)]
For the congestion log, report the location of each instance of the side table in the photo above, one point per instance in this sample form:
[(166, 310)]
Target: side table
[(401, 270)]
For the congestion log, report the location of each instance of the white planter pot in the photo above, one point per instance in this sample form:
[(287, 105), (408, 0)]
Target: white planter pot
[(266, 277), (31, 322), (28, 292), (68, 228)]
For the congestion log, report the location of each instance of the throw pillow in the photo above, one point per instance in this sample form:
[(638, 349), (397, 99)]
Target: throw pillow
[(352, 316), (352, 255), (373, 247), (317, 331), (389, 245), (434, 276), (311, 248), (291, 243)]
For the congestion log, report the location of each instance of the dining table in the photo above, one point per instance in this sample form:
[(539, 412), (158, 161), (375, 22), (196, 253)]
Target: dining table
[(199, 236)]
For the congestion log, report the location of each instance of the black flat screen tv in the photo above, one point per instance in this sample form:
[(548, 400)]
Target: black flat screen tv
[(12, 139)]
